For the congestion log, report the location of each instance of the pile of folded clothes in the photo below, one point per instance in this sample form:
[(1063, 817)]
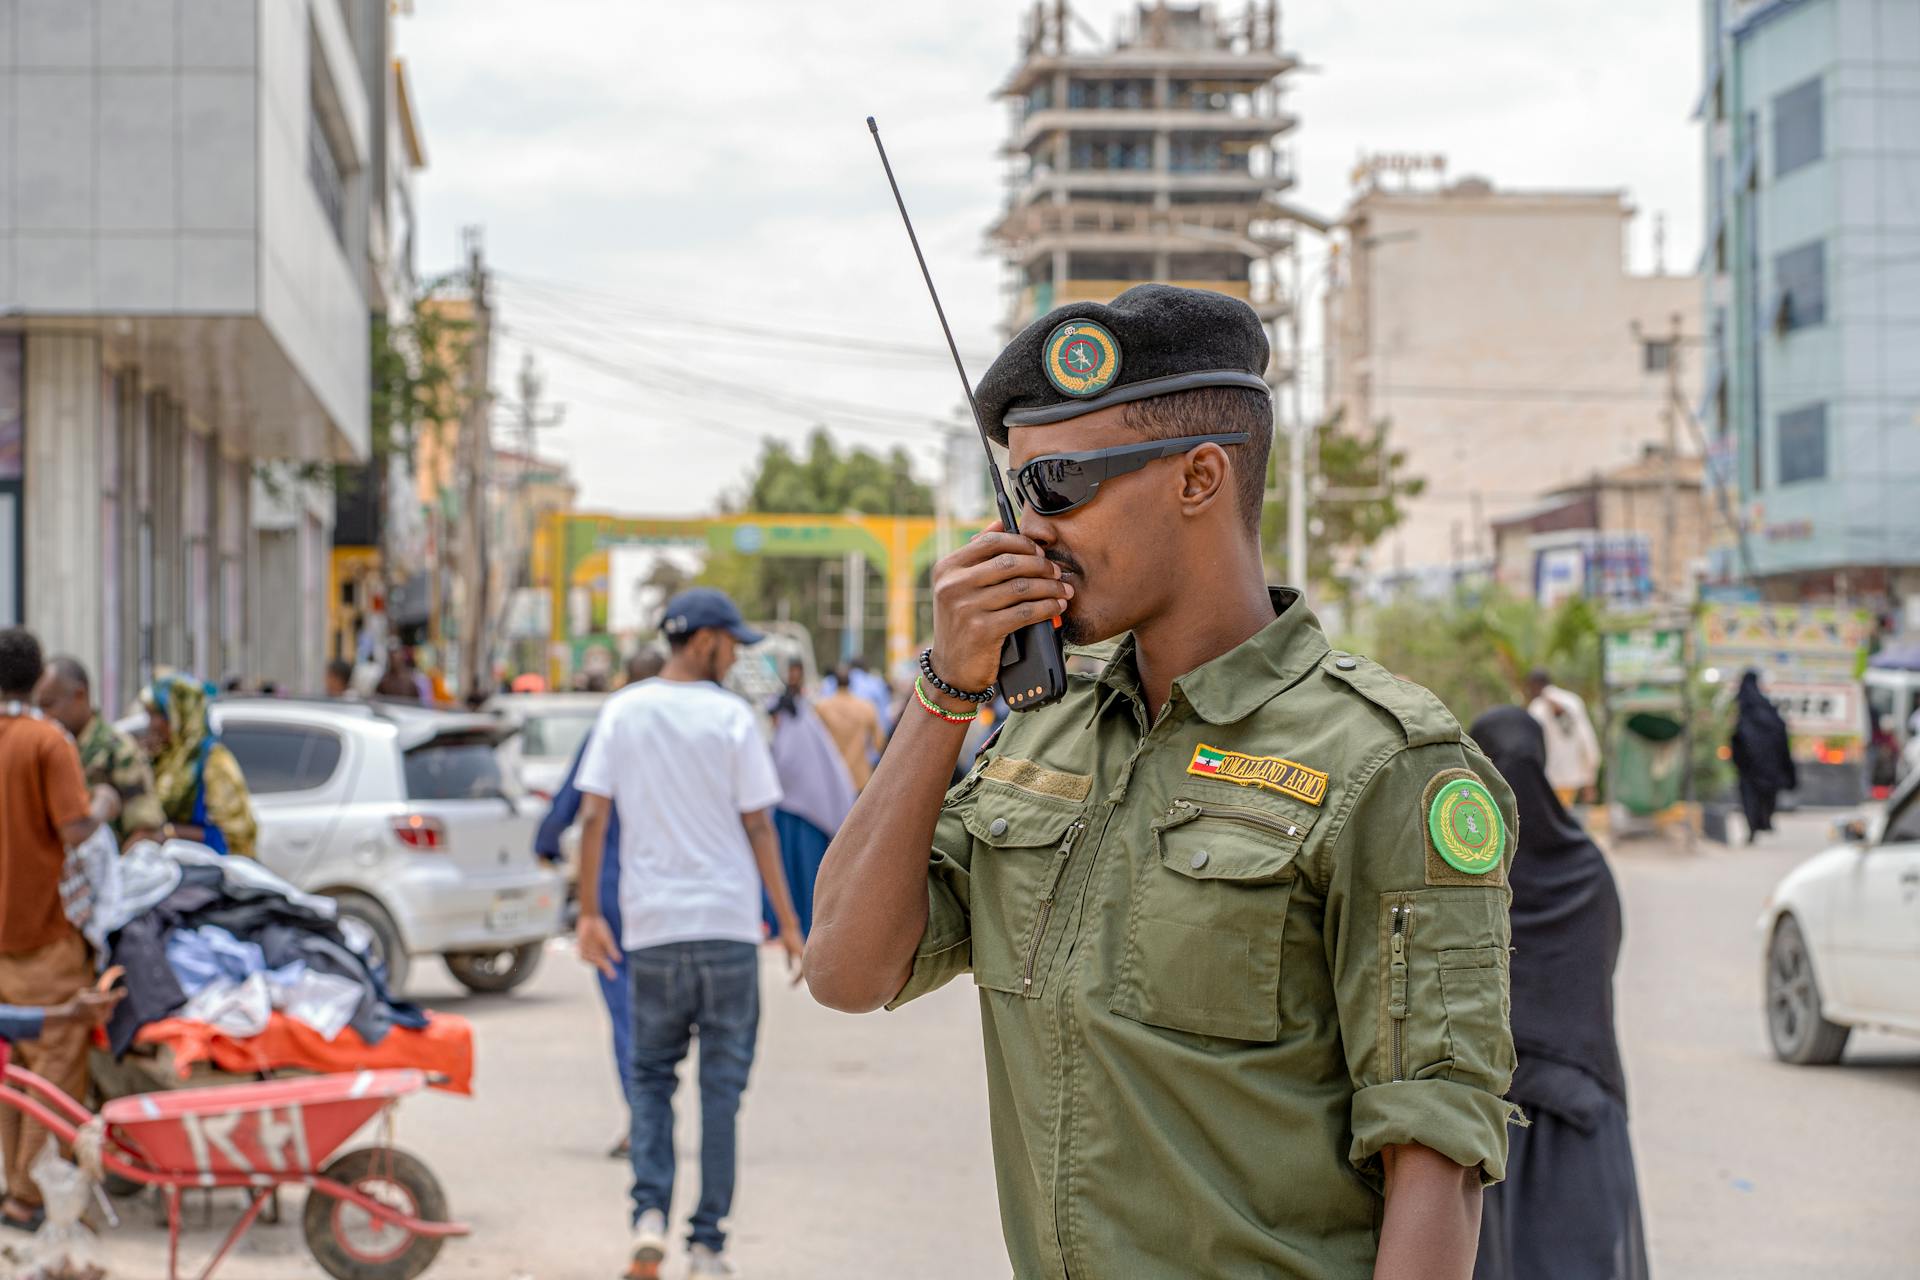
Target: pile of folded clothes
[(229, 964)]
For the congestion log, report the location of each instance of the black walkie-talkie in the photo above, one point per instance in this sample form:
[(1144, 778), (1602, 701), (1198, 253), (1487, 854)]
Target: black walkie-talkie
[(1033, 667)]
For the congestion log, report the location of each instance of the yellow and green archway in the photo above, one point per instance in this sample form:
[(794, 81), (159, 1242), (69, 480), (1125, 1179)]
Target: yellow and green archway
[(571, 550)]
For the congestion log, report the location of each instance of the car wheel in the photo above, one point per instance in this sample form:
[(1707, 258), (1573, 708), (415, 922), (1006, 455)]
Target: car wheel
[(386, 948), (494, 972), (1796, 1025)]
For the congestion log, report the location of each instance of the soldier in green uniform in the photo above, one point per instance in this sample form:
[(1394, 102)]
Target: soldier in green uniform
[(1236, 907), (110, 758)]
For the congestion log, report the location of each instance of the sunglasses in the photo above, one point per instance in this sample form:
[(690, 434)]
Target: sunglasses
[(1056, 484)]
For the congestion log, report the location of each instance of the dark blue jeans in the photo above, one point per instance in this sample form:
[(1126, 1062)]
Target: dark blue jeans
[(680, 988)]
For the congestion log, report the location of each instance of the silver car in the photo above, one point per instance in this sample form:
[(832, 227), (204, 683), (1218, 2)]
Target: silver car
[(405, 816)]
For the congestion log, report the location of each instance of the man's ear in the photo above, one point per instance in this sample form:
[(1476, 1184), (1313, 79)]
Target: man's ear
[(1204, 478)]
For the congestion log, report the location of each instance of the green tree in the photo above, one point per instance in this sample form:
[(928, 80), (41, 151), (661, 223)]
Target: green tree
[(820, 479), (1475, 649), (1365, 487)]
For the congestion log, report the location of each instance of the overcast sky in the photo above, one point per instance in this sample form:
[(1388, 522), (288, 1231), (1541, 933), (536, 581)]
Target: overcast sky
[(693, 235)]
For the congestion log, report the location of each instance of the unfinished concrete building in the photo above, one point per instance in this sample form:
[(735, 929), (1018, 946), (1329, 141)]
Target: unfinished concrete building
[(1156, 155)]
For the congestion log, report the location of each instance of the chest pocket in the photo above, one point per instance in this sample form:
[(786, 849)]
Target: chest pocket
[(1021, 845), (1205, 925)]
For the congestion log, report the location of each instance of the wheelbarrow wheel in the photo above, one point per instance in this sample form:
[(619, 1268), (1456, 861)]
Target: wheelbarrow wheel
[(349, 1243)]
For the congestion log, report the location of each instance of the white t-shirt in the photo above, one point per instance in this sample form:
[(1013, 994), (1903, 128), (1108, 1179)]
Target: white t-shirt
[(1573, 750), (682, 762)]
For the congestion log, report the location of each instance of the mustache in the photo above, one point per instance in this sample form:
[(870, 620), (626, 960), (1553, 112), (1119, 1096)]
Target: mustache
[(1065, 560)]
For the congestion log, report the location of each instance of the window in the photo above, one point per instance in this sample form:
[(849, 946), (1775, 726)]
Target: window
[(1800, 284), (13, 438), (455, 768), (1656, 355), (280, 758), (1798, 128), (555, 737), (1802, 440), (1904, 825), (324, 167)]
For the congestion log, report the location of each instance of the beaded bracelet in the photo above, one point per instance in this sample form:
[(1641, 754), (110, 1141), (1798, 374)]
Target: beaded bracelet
[(926, 669), (934, 708)]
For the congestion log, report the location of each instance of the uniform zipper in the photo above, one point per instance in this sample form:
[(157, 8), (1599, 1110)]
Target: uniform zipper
[(1233, 814), (1046, 903), (1402, 920)]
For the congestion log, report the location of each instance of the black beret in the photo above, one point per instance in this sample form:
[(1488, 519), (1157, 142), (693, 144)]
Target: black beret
[(1151, 340)]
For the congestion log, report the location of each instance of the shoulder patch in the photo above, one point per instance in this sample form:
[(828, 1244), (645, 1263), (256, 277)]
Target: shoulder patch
[(1466, 838), (1424, 719)]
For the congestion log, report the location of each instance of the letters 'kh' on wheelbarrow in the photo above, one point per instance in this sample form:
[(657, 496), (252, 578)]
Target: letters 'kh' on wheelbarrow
[(372, 1214)]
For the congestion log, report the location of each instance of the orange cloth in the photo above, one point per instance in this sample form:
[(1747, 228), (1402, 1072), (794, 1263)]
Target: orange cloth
[(42, 789), (443, 1047)]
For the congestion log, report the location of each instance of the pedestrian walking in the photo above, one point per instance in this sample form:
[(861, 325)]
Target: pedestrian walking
[(201, 788), (1762, 755), (1570, 1206), (683, 759), (109, 757), (816, 793), (614, 987), (45, 807), (855, 727), (1573, 749), (1237, 905)]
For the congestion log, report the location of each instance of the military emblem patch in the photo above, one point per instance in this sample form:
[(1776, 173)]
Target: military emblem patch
[(1081, 358), (1270, 772), (1464, 825)]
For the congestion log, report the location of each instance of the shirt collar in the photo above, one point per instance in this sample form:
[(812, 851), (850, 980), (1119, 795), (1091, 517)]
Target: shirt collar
[(1246, 677)]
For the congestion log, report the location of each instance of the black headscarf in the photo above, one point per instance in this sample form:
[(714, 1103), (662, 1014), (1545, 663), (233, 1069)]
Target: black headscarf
[(1566, 928), (1761, 751)]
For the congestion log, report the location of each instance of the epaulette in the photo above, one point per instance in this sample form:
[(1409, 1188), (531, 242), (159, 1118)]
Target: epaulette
[(1423, 717)]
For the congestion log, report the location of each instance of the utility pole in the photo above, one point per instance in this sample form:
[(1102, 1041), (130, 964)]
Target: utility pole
[(1297, 439), (1670, 479), (475, 453)]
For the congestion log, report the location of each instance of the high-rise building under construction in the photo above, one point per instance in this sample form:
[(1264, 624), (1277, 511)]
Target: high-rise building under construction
[(1154, 156)]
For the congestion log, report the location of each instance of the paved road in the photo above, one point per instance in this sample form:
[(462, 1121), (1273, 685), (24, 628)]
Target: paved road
[(864, 1138)]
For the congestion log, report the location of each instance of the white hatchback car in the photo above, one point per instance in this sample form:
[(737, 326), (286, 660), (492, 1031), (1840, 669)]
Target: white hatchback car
[(1841, 933), (552, 727), (406, 817)]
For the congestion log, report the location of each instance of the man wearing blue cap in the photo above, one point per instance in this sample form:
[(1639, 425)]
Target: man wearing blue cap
[(688, 755)]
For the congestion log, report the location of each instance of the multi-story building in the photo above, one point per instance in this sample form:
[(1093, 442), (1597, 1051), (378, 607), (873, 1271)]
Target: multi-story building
[(1155, 158), (1492, 333), (1812, 266), (185, 228)]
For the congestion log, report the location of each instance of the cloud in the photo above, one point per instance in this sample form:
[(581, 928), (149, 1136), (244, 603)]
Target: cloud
[(712, 161)]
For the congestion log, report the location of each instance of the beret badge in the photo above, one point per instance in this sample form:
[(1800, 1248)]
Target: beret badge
[(1081, 358)]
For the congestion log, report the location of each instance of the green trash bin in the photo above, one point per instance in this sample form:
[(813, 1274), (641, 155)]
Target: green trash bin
[(1649, 762)]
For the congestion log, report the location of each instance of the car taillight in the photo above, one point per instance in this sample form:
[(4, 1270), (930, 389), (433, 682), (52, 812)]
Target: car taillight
[(417, 831), (538, 794)]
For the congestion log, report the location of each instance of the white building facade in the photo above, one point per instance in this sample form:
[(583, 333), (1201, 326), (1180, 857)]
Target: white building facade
[(184, 301), (1492, 332)]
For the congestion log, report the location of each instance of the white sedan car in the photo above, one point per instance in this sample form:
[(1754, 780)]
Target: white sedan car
[(406, 817), (1842, 937)]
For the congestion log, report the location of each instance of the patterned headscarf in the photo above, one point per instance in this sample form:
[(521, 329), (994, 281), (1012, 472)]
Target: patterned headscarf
[(176, 770)]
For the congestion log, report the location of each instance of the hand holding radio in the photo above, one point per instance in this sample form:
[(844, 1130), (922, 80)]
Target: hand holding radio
[(984, 592)]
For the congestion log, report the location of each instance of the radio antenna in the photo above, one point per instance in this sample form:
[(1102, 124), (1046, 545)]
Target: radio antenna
[(959, 367)]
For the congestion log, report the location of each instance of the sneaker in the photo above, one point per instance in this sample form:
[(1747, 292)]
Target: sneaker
[(649, 1246), (707, 1262)]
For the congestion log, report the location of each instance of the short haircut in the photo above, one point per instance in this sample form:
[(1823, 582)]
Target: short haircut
[(20, 662), (341, 670), (68, 670), (1539, 675), (644, 664), (1206, 411)]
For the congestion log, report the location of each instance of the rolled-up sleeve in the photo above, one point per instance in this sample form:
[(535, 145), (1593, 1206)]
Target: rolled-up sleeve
[(946, 946), (1419, 957)]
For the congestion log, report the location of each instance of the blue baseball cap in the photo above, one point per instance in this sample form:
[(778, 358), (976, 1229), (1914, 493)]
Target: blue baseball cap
[(698, 608)]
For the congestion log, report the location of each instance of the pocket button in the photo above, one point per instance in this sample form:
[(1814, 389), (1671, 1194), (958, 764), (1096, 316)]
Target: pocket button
[(1198, 860), (998, 827)]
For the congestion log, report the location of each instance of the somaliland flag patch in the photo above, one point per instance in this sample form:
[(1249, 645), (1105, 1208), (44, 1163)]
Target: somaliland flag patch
[(1270, 772)]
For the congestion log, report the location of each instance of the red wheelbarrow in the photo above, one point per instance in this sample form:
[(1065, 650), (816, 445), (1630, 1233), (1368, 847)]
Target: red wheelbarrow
[(375, 1213)]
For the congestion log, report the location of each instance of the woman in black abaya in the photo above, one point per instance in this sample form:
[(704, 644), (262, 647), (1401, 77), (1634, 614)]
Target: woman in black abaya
[(1570, 1206), (1762, 755)]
